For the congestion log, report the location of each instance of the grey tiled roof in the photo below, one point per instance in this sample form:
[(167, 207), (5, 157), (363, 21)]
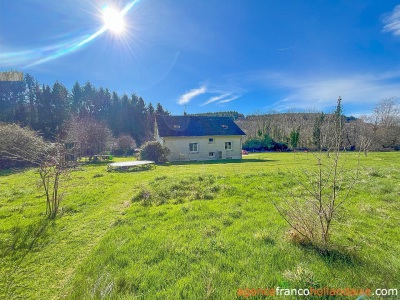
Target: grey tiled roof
[(196, 126)]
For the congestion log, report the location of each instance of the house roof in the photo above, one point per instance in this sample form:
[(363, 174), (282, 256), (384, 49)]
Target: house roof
[(196, 126)]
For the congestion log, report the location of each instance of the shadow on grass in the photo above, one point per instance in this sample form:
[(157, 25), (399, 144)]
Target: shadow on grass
[(8, 172), (335, 255), (217, 162), (20, 243), (24, 239), (96, 163)]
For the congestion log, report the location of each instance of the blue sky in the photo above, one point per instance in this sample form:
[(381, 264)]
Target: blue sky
[(208, 55)]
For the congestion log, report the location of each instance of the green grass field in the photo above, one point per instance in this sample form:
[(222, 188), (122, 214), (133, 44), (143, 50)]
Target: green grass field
[(192, 231)]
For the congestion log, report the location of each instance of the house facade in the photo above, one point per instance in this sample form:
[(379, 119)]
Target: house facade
[(199, 137)]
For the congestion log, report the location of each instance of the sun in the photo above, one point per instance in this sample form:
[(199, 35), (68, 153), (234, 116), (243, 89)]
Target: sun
[(113, 20)]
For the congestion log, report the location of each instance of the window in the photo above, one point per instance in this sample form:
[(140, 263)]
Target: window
[(210, 140), (177, 126), (228, 145), (193, 147), (224, 126), (211, 154)]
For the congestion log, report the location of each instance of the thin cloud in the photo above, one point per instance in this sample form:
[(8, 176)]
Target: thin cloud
[(186, 98), (322, 93), (285, 49), (228, 100), (392, 21), (216, 98)]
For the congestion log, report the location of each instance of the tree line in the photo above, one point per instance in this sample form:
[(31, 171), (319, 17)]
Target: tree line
[(49, 109), (279, 131), (234, 115)]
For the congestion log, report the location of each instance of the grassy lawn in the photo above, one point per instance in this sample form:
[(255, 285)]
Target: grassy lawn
[(192, 231)]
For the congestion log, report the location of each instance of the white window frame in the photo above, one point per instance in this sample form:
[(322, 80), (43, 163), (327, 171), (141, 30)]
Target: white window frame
[(213, 154), (230, 144), (211, 140), (193, 146)]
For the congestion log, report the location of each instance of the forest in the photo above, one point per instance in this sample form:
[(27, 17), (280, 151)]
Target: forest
[(47, 109), (310, 130), (379, 131)]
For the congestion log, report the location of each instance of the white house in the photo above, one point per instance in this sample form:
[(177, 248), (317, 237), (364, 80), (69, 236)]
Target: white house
[(199, 137)]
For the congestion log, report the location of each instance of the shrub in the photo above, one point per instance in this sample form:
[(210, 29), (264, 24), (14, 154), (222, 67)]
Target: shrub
[(20, 147), (264, 143), (125, 143), (154, 151)]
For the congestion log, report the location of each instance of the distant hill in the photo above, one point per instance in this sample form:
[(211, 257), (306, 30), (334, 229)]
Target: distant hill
[(279, 127), (234, 115)]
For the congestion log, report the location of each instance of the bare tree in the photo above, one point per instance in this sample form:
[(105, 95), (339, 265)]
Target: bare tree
[(51, 169), (311, 210), (125, 143), (93, 136), (363, 134), (387, 122)]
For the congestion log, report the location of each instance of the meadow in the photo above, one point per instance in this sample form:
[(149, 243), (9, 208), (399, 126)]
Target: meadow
[(192, 231)]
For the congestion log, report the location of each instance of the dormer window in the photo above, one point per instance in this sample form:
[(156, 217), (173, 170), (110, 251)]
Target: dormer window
[(177, 126), (224, 126)]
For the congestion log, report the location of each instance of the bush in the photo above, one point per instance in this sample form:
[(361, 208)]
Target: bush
[(20, 147), (126, 144), (264, 143), (154, 151)]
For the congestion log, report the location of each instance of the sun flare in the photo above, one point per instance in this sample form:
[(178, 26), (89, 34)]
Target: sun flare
[(113, 20)]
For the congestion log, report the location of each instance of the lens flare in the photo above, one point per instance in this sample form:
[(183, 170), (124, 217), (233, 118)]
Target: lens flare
[(113, 20), (29, 58)]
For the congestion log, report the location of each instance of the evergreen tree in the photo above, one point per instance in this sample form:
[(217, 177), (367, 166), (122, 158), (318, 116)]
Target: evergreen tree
[(150, 121), (45, 112), (12, 101), (294, 137), (125, 116), (31, 86), (114, 118), (76, 99), (140, 118), (105, 104), (88, 100), (59, 107), (161, 111)]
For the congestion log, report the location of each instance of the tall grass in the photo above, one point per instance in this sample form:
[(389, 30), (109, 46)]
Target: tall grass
[(191, 231)]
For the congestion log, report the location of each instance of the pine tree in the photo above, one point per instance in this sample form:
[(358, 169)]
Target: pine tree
[(59, 107), (76, 99)]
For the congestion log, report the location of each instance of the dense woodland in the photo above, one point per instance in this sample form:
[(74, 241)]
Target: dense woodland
[(101, 120), (47, 109)]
